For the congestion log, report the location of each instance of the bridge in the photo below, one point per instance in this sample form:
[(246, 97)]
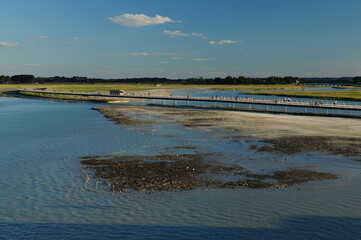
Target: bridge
[(251, 103)]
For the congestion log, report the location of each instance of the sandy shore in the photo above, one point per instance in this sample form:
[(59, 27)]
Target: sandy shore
[(252, 124), (285, 133), (280, 134)]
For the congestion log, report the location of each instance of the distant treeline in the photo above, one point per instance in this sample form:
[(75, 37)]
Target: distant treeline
[(25, 78), (245, 80)]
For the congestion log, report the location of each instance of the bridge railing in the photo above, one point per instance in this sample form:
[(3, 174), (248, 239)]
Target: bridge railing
[(215, 99)]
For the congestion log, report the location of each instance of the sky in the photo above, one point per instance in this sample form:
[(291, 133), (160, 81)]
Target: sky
[(180, 38)]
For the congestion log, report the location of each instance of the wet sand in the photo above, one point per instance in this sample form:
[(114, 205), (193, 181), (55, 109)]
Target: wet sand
[(280, 134)]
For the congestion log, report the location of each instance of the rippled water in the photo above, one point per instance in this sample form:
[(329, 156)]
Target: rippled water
[(45, 194)]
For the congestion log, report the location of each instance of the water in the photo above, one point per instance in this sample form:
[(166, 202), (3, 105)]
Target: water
[(45, 194), (242, 94)]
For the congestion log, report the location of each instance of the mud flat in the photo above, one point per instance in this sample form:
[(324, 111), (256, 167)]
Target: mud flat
[(177, 172), (274, 134), (350, 147), (279, 133)]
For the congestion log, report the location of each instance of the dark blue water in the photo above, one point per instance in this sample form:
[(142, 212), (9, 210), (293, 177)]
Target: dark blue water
[(45, 194)]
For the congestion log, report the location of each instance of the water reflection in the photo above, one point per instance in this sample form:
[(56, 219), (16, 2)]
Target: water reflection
[(292, 228)]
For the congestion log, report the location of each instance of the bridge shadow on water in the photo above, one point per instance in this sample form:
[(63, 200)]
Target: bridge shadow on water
[(330, 228)]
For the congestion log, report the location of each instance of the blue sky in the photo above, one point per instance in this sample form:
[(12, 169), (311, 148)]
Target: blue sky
[(180, 38)]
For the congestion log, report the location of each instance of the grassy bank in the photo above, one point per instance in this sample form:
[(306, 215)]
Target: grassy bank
[(353, 95), (145, 87), (64, 97), (347, 87)]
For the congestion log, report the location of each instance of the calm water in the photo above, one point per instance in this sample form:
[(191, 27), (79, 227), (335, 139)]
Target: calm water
[(45, 194), (242, 94)]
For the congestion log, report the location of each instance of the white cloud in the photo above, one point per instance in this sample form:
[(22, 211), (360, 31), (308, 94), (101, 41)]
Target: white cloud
[(140, 54), (222, 42), (198, 35), (31, 65), (182, 34), (175, 33), (41, 37), (76, 38), (203, 59), (138, 20), (9, 44), (156, 54), (163, 62)]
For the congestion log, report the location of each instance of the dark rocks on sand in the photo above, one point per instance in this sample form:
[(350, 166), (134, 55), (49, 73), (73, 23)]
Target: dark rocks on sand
[(172, 172)]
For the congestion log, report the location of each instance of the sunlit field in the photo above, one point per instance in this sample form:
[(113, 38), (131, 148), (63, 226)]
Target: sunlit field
[(142, 87)]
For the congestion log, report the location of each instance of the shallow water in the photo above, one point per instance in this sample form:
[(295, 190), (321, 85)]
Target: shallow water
[(44, 193), (243, 94)]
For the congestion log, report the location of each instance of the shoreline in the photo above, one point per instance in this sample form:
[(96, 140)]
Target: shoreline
[(275, 135), (263, 125)]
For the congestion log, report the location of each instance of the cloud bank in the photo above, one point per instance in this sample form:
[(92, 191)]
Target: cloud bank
[(182, 34), (175, 33), (203, 59), (9, 44), (139, 20), (222, 42), (137, 54), (31, 65)]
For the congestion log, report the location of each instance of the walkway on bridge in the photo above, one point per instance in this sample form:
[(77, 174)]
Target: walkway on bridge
[(288, 105)]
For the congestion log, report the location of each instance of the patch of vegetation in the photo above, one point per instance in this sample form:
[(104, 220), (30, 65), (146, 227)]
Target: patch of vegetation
[(259, 87), (346, 87), (144, 87), (64, 97)]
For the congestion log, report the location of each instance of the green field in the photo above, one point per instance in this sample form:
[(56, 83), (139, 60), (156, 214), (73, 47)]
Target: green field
[(347, 87), (354, 95), (144, 87)]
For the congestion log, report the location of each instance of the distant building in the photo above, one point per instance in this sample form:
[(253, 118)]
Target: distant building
[(116, 92)]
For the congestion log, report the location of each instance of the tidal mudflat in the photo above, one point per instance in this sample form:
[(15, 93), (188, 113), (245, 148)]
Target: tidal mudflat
[(187, 172), (276, 136)]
